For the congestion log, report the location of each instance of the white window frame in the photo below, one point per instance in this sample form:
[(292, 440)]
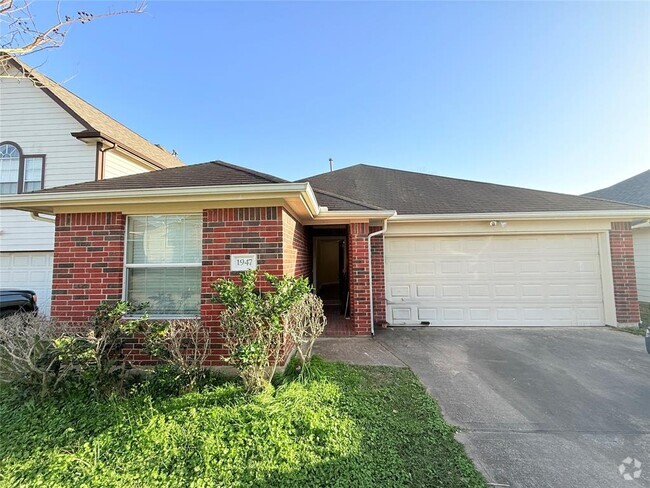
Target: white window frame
[(127, 266)]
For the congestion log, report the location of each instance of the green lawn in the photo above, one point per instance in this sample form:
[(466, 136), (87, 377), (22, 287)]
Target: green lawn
[(350, 426)]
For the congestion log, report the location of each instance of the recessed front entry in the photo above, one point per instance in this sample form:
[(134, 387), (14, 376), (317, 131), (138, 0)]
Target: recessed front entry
[(543, 280), (330, 276)]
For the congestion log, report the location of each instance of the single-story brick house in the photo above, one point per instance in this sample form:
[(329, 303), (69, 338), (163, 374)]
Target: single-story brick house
[(438, 251)]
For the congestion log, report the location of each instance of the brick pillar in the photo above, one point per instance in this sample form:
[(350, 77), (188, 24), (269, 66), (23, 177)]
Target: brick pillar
[(236, 231), (358, 277), (88, 263), (625, 292), (378, 286)]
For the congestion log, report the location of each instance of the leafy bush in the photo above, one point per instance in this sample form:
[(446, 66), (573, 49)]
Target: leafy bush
[(254, 323), (30, 352), (97, 353), (306, 321), (182, 344)]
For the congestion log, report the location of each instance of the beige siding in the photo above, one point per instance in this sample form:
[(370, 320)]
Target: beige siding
[(116, 164), (642, 260), (39, 126)]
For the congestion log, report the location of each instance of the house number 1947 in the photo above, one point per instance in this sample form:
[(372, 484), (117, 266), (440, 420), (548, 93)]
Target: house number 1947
[(243, 262)]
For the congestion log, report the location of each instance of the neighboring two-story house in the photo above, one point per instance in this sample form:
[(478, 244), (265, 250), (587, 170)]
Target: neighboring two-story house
[(50, 137)]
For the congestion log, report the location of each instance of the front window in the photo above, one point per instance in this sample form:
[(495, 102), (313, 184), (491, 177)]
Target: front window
[(163, 263), (18, 172)]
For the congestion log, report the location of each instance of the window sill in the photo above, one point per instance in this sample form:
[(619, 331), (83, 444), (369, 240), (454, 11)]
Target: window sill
[(163, 317)]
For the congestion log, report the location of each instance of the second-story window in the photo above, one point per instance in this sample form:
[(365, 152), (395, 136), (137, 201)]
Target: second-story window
[(19, 172)]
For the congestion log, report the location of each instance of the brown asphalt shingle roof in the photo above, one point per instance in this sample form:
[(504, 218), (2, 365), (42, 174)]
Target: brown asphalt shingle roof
[(94, 120), (213, 173), (416, 193), (634, 190), (364, 187)]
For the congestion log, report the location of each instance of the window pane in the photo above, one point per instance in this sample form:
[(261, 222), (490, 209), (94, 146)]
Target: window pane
[(32, 186), (33, 169), (8, 188), (9, 172), (160, 239), (169, 291)]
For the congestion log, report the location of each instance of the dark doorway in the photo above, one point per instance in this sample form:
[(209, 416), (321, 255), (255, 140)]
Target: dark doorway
[(330, 271)]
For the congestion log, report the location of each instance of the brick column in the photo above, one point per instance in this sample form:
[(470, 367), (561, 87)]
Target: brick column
[(378, 285), (236, 231), (358, 267), (88, 263), (625, 292)]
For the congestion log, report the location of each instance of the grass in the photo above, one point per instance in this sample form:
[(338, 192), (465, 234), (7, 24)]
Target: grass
[(645, 319), (347, 426)]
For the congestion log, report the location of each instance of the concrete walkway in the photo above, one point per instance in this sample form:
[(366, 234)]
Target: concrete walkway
[(539, 407), (361, 351)]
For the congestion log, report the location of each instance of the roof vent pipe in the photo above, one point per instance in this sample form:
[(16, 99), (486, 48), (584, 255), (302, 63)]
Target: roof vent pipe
[(331, 165)]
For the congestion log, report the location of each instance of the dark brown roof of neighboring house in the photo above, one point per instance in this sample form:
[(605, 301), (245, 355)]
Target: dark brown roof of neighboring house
[(634, 190), (418, 193), (96, 122)]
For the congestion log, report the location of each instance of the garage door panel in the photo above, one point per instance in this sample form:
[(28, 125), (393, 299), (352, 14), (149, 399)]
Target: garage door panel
[(29, 270), (517, 280)]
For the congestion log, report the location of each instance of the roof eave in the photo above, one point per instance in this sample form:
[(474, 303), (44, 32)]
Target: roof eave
[(298, 194), (93, 135)]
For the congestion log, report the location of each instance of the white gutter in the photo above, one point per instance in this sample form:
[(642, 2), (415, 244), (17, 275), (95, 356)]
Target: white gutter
[(586, 214), (642, 225), (372, 308), (36, 216), (155, 192), (44, 202)]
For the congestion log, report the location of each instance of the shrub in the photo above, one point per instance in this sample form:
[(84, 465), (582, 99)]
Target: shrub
[(30, 352), (306, 321), (98, 352), (181, 344), (253, 324)]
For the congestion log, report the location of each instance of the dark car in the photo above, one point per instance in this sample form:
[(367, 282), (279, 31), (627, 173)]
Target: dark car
[(14, 301)]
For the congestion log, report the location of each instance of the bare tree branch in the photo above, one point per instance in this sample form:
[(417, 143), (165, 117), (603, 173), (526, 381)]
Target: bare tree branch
[(21, 34)]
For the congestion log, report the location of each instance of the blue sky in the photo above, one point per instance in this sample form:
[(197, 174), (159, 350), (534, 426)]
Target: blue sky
[(545, 95)]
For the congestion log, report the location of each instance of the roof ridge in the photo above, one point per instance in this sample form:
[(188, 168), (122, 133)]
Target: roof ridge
[(266, 176), (347, 199)]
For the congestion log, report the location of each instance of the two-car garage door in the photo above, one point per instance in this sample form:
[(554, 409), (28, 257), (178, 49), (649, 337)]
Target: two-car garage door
[(544, 280)]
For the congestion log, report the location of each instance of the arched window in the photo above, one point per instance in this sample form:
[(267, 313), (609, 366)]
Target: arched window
[(18, 172)]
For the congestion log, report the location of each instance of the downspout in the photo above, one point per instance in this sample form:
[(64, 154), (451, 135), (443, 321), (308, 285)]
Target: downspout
[(36, 216), (372, 308)]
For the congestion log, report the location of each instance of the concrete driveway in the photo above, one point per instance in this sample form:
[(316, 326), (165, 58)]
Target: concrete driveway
[(539, 407)]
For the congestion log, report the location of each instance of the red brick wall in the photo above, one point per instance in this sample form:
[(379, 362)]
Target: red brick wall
[(296, 249), (358, 276), (625, 292), (378, 285), (88, 263), (236, 231)]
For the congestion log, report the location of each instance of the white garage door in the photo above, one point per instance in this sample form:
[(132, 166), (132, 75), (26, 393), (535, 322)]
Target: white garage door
[(30, 270), (549, 280)]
